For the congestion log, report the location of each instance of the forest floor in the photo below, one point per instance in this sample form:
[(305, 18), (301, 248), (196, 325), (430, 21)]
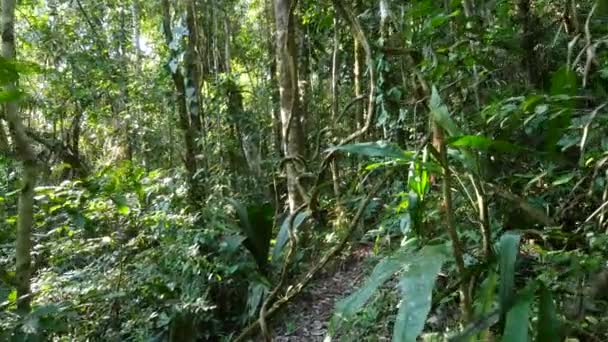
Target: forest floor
[(307, 318)]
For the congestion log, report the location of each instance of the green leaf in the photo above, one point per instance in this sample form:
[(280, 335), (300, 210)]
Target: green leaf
[(261, 218), (347, 307), (31, 324), (257, 290), (486, 299), (383, 271), (121, 204), (417, 285), (10, 95), (481, 143), (441, 115), (509, 247), (232, 243), (563, 82), (374, 149), (283, 235), (487, 294), (471, 141), (516, 327), (602, 8), (256, 223), (548, 325), (531, 102), (563, 179)]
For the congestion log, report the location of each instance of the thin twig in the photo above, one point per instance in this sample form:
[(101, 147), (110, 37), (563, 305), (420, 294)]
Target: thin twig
[(586, 129), (597, 211)]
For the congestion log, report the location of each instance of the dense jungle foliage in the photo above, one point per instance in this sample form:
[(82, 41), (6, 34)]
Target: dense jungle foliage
[(312, 170)]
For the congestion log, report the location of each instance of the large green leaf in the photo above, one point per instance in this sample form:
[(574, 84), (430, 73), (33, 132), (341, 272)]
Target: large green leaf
[(383, 271), (283, 235), (479, 142), (261, 218), (122, 206), (347, 307), (441, 115), (509, 247), (417, 285), (516, 327), (548, 324), (374, 149), (10, 95), (563, 82), (487, 295), (256, 222), (602, 8), (257, 291), (243, 217)]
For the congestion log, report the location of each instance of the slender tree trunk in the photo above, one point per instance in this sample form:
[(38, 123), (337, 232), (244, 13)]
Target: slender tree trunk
[(136, 32), (227, 41), (292, 134), (4, 148), (274, 89), (528, 42), (303, 81), (193, 85), (214, 46), (26, 154), (359, 111), (334, 101), (124, 120)]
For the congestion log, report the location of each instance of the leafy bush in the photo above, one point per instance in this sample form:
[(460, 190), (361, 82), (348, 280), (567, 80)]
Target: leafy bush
[(119, 258)]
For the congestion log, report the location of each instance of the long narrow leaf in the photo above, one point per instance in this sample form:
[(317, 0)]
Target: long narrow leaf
[(417, 285), (548, 325), (374, 149), (383, 271), (488, 293), (347, 307), (441, 114), (283, 235), (509, 247), (243, 216), (516, 328)]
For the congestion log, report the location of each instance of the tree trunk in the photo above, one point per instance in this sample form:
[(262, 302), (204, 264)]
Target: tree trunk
[(182, 109), (227, 41), (292, 134), (274, 89), (4, 148), (335, 175), (359, 114), (26, 154), (528, 42)]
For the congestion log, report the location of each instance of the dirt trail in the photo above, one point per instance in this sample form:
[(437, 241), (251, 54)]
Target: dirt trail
[(307, 318)]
